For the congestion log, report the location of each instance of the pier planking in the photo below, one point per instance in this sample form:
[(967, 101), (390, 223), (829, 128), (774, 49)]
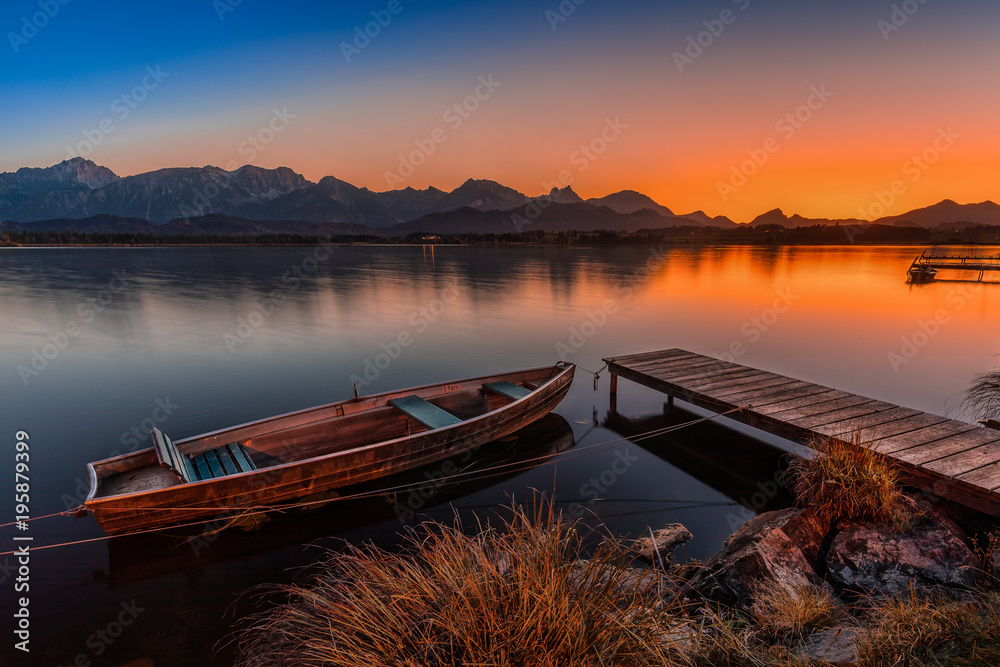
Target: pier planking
[(950, 458)]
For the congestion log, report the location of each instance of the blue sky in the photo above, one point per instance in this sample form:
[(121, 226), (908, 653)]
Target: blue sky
[(228, 71)]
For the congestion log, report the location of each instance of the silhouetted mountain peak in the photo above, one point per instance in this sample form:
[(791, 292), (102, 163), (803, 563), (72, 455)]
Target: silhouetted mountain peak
[(75, 170), (773, 217), (565, 195), (630, 201)]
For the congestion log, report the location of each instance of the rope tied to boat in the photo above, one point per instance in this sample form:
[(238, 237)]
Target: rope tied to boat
[(237, 513), (597, 375)]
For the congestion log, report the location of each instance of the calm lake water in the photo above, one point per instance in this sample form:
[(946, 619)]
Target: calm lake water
[(98, 344)]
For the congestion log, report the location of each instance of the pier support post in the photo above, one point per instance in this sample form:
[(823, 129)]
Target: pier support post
[(669, 405), (614, 393)]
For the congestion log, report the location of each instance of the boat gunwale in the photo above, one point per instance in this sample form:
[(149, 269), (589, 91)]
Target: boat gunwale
[(562, 367)]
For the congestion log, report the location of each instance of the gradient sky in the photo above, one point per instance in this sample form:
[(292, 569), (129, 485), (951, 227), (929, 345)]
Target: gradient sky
[(680, 133)]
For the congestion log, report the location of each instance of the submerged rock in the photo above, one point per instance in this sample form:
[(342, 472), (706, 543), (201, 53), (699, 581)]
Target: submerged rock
[(771, 546), (877, 558), (657, 549)]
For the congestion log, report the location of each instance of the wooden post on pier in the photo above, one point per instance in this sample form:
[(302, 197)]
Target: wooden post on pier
[(614, 393)]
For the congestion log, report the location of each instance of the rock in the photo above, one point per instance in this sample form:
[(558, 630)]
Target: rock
[(657, 549), (627, 581), (996, 566), (876, 558), (771, 546), (835, 646)]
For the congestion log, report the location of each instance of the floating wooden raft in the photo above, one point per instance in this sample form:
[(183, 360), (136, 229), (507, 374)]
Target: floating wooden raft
[(952, 459)]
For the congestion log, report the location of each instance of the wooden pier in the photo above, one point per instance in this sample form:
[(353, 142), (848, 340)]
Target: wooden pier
[(981, 264), (952, 459)]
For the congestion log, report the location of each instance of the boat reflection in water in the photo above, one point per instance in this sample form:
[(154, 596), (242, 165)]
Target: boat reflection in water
[(401, 498)]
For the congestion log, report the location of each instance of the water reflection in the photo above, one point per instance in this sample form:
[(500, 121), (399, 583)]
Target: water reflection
[(164, 337), (746, 470)]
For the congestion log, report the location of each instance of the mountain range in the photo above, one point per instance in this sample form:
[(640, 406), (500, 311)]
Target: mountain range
[(80, 195)]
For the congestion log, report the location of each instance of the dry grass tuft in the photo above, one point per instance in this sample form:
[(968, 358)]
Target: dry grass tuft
[(849, 481), (517, 596), (927, 629), (986, 547), (982, 398), (788, 614)]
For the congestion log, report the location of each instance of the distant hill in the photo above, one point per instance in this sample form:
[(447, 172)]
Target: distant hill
[(78, 194), (226, 224), (629, 201), (482, 195), (555, 217), (157, 196), (719, 221), (947, 213), (97, 224)]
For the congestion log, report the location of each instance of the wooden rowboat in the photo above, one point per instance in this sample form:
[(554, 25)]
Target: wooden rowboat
[(282, 459)]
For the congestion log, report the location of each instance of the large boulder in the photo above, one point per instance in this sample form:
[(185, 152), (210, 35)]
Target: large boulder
[(769, 547), (657, 548), (878, 558)]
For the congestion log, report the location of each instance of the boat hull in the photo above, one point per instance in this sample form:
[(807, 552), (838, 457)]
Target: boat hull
[(178, 503)]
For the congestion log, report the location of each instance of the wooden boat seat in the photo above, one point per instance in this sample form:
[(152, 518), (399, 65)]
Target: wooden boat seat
[(426, 413), (219, 462), (508, 389)]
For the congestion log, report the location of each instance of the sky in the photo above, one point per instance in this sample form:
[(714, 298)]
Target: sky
[(734, 107)]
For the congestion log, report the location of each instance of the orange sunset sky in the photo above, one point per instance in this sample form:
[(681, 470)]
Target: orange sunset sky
[(694, 90)]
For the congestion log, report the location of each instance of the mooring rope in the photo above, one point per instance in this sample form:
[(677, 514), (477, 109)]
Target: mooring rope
[(468, 475), (597, 375)]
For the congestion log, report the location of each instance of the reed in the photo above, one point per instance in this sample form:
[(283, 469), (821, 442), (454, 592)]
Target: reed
[(982, 398), (519, 595), (849, 481), (931, 629)]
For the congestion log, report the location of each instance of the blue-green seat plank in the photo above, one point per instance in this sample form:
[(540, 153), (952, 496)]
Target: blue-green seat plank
[(213, 463), (241, 458), (426, 413), (203, 470), (226, 459), (508, 389)]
